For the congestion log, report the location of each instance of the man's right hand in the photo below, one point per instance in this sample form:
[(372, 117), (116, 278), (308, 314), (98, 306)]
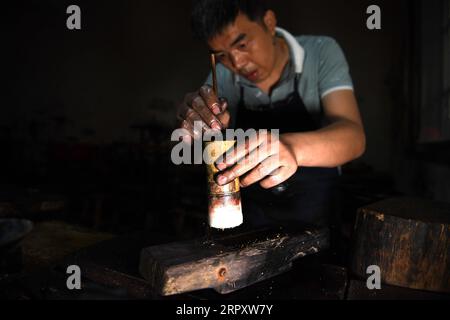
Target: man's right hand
[(204, 106)]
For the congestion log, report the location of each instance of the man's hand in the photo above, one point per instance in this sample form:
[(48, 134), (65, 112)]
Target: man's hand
[(203, 106), (262, 158)]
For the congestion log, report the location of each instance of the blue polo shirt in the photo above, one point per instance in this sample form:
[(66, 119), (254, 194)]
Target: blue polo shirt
[(317, 61)]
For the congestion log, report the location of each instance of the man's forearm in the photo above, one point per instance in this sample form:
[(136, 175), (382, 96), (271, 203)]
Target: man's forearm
[(332, 146)]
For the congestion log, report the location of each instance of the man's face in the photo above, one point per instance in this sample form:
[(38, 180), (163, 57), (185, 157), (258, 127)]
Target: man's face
[(246, 47)]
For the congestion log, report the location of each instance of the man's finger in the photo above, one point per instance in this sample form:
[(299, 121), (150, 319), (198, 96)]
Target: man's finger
[(196, 121), (224, 118), (242, 150), (187, 139), (207, 116), (223, 104), (194, 129), (190, 130), (264, 169), (277, 177), (248, 163), (211, 100), (181, 111)]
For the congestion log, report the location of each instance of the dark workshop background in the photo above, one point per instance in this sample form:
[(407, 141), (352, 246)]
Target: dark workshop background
[(87, 114)]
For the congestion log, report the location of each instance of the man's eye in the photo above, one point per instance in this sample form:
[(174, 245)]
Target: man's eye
[(242, 46)]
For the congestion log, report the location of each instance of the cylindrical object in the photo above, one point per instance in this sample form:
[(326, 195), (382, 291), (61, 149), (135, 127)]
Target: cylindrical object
[(224, 202)]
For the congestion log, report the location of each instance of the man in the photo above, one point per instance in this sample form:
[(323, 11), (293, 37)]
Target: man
[(269, 79)]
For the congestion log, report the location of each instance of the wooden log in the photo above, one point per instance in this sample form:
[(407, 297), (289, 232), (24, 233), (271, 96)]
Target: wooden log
[(408, 239), (228, 263)]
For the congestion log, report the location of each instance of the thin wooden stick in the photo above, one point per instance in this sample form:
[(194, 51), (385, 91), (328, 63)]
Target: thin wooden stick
[(214, 74)]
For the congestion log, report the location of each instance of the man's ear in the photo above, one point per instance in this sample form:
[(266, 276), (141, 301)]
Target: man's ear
[(270, 21)]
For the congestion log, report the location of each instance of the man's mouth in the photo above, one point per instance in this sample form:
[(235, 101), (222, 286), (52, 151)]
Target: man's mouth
[(252, 76)]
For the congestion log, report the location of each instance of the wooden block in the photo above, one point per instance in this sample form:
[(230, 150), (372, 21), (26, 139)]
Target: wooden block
[(228, 263), (409, 239)]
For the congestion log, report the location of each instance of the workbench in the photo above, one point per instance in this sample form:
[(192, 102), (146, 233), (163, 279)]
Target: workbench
[(110, 271)]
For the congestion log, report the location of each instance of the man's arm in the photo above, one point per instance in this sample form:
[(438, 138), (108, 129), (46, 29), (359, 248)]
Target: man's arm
[(336, 144), (340, 142)]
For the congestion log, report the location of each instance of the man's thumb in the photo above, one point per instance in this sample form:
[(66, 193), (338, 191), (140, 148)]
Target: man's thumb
[(223, 104)]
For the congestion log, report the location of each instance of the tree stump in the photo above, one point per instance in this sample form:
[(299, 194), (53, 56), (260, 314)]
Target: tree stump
[(409, 239)]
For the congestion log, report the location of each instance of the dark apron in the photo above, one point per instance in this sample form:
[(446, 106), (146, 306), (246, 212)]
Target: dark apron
[(306, 197)]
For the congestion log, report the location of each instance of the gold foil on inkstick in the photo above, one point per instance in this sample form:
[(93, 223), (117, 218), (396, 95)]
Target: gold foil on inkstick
[(224, 202)]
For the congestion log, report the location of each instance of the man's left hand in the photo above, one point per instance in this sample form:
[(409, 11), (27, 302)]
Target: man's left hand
[(263, 157)]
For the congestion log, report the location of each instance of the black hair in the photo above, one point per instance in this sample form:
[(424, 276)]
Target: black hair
[(210, 17)]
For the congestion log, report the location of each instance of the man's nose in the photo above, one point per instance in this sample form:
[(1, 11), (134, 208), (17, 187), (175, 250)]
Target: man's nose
[(238, 60)]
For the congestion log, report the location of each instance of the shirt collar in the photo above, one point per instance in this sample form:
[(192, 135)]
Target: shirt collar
[(296, 50)]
